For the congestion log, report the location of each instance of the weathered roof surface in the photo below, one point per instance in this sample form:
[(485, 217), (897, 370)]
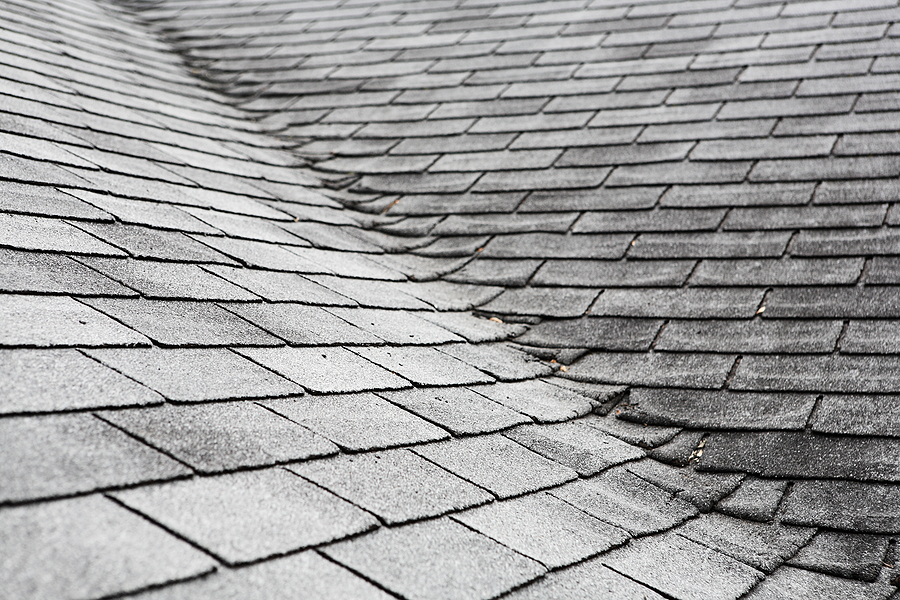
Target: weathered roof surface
[(449, 299)]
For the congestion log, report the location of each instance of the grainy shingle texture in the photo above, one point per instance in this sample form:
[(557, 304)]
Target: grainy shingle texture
[(449, 299)]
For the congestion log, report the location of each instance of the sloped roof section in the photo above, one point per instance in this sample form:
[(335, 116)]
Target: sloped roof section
[(449, 299)]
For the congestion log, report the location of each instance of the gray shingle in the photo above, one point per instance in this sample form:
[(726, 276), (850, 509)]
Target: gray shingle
[(155, 279), (794, 455), (662, 563), (860, 302), (680, 172), (846, 242), (623, 499), (550, 302), (755, 499), (846, 505), (497, 464), (614, 273), (395, 326), (368, 293), (358, 422), (539, 400), (657, 369), (457, 409), (702, 490), (496, 272), (423, 365), (281, 287), (193, 375), (303, 325), (53, 274), (844, 555), (325, 370), (543, 528), (221, 437), (589, 580), (499, 360), (710, 245), (857, 415), (224, 515), (306, 571), (762, 546), (805, 585), (600, 199), (34, 381), (47, 321), (182, 323), (788, 271), (40, 233), (597, 333), (871, 337), (143, 242), (395, 485), (548, 245), (562, 178), (665, 219), (744, 194), (61, 455), (436, 560), (575, 445), (753, 336), (720, 409), (817, 373), (90, 547), (46, 201), (691, 303), (795, 217)]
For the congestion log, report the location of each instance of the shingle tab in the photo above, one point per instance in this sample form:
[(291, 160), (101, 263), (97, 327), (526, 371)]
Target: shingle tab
[(497, 464), (62, 455), (543, 528), (357, 422), (37, 381), (47, 321), (223, 514), (221, 437), (395, 485), (90, 546), (436, 559)]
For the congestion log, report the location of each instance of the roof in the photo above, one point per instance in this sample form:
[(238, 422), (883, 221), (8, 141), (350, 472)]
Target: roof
[(449, 299)]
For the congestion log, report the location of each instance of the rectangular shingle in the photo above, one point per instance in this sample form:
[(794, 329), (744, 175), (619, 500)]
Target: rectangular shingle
[(395, 485), (183, 323), (61, 455), (718, 409), (599, 273), (325, 370), (53, 274), (857, 415), (91, 546), (497, 464), (788, 271), (657, 369), (600, 333), (710, 245), (223, 514), (436, 560), (738, 195), (47, 321), (544, 528), (218, 437), (847, 505), (680, 172), (841, 303), (862, 215), (661, 562), (620, 498), (424, 365), (550, 245), (551, 302), (691, 303), (41, 233), (753, 336), (802, 455), (855, 374)]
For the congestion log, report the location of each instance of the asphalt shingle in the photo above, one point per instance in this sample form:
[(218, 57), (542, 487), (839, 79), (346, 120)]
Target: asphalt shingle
[(224, 515)]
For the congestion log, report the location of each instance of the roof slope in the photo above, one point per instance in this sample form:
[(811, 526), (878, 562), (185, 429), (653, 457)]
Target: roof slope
[(449, 299)]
